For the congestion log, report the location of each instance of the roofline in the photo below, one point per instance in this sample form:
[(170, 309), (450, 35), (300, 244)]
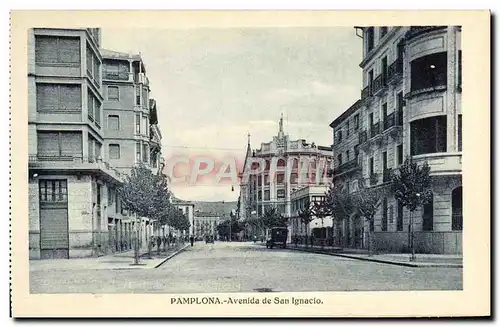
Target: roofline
[(355, 106)]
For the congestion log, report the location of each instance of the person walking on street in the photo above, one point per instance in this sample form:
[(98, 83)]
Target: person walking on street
[(191, 239)]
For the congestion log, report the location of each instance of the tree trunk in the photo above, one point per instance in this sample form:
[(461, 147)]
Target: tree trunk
[(136, 243), (412, 238), (370, 243)]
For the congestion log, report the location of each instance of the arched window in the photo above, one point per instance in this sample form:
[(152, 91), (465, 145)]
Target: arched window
[(456, 209)]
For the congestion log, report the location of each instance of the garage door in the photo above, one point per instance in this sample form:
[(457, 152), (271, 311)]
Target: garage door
[(54, 238)]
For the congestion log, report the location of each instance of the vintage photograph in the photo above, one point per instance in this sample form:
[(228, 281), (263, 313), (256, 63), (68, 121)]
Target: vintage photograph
[(245, 160), (249, 164)]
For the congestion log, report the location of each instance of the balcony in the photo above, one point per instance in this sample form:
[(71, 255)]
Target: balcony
[(375, 130), (442, 164), (420, 30), (141, 78), (393, 122), (363, 137), (395, 71), (72, 164), (379, 84), (387, 175), (366, 92), (346, 167)]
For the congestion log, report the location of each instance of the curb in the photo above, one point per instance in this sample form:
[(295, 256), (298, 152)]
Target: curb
[(171, 256), (396, 263)]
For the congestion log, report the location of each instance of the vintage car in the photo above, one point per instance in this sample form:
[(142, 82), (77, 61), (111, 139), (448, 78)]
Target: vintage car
[(209, 239), (277, 237)]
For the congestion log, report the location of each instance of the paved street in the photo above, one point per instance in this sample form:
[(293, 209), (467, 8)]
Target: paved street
[(245, 267)]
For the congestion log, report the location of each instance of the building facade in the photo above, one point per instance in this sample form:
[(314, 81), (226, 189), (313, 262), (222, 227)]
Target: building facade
[(79, 153), (410, 106), (295, 164), (205, 224), (187, 208)]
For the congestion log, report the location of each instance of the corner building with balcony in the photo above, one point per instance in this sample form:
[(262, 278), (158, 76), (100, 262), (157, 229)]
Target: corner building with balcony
[(132, 136), (69, 178), (411, 106), (310, 164)]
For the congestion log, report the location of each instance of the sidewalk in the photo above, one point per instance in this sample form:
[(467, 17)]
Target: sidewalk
[(401, 259), (116, 261)]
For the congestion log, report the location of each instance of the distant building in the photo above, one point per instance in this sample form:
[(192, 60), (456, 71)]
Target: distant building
[(308, 164), (187, 208), (205, 224)]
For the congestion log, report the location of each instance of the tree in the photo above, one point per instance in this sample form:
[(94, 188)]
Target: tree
[(306, 215), (273, 218), (411, 185), (339, 203), (367, 200), (145, 195)]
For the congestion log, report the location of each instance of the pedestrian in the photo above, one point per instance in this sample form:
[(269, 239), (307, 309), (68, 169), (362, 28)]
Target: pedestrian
[(191, 239)]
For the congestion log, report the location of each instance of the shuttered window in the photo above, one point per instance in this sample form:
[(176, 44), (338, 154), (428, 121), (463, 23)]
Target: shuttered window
[(59, 144), (57, 50), (115, 70), (145, 97), (145, 153), (58, 97), (114, 151), (138, 95), (138, 123), (98, 148), (113, 93), (94, 108), (138, 152), (114, 122)]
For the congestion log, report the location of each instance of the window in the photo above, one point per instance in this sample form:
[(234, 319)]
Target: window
[(113, 93), (280, 178), (460, 69), (356, 122), (145, 153), (58, 97), (57, 50), (111, 196), (383, 31), (384, 69), (428, 135), (53, 190), (339, 136), (93, 64), (115, 70), (429, 71), (145, 96), (370, 40), (138, 152), (459, 132), (138, 95), (59, 144), (347, 128), (138, 123), (400, 154), (400, 105), (114, 122), (371, 166), (266, 195), (384, 214), (428, 216), (114, 151), (347, 155), (399, 222), (339, 159), (370, 80), (94, 108)]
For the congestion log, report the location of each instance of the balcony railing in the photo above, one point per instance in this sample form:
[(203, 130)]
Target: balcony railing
[(386, 176), (375, 130), (363, 137), (419, 30), (379, 83), (395, 70), (366, 92), (373, 179), (347, 166), (389, 121)]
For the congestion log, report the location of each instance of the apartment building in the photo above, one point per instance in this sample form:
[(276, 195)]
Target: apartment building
[(69, 177), (411, 106), (90, 121)]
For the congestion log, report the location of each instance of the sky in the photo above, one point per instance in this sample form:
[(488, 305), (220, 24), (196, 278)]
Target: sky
[(213, 87)]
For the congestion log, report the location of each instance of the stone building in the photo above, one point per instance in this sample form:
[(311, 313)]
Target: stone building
[(410, 106), (75, 123), (205, 223), (287, 166)]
